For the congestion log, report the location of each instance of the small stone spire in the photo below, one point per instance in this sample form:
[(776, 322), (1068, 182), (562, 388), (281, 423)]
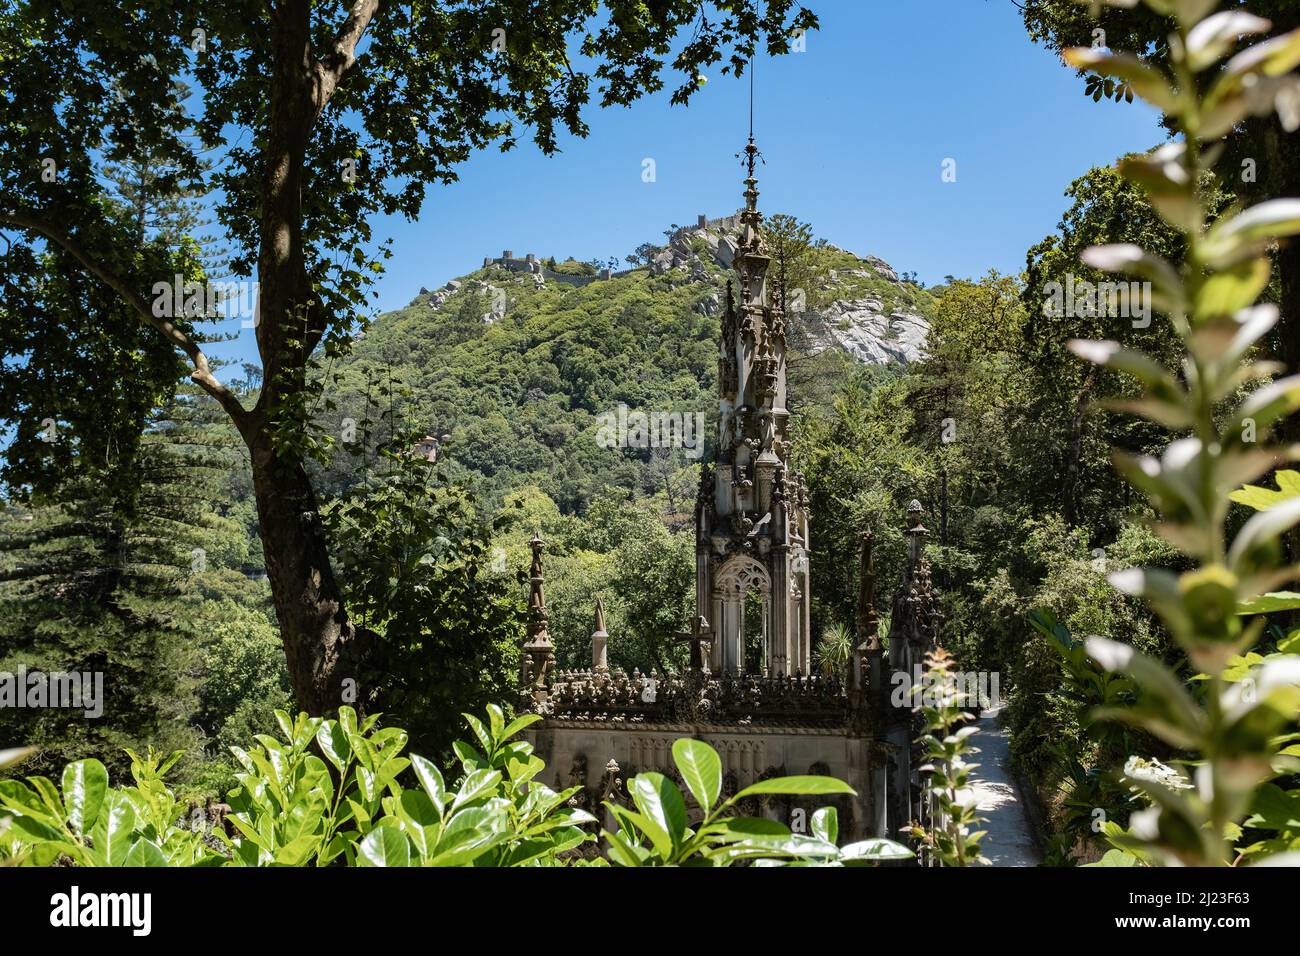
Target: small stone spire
[(539, 654), (751, 241), (868, 619), (867, 678), (599, 641), (916, 534), (915, 618)]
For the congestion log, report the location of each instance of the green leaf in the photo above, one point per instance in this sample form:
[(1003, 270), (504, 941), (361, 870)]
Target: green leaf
[(18, 796), (745, 828), (145, 853), (1270, 603), (1116, 858), (800, 786), (472, 832), (1262, 528), (875, 850), (1275, 809), (479, 784), (15, 755), (1261, 499), (1275, 57), (333, 740), (84, 785), (826, 825), (480, 732), (701, 769), (1228, 292), (497, 722), (660, 801), (430, 778), (1212, 38), (518, 724), (113, 831), (384, 846), (1269, 221), (298, 851), (38, 831), (621, 852), (791, 844)]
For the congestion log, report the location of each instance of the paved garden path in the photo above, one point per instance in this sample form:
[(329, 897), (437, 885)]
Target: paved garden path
[(1009, 841)]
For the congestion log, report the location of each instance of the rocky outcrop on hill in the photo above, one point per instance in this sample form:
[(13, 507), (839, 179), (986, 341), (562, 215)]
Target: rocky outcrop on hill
[(867, 331), (865, 326), (862, 307)]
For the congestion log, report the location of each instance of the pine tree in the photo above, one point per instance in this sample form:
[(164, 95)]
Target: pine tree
[(96, 578)]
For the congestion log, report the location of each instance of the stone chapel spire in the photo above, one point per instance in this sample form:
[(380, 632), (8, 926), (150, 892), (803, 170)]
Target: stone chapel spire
[(752, 518)]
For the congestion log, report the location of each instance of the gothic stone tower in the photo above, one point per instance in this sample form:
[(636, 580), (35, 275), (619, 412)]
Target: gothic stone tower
[(751, 519)]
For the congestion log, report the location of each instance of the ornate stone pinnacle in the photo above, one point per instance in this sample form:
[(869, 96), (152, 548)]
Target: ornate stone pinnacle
[(539, 655), (868, 620), (599, 641), (538, 616)]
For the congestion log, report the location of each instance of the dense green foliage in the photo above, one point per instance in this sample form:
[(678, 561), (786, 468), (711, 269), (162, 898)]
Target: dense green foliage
[(1233, 728), (520, 395), (339, 792), (125, 573), (416, 557)]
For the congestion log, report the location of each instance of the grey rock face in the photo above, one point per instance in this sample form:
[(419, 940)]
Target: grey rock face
[(711, 305), (863, 329)]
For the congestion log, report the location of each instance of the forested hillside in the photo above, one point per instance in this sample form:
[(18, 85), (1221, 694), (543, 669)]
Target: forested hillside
[(515, 374)]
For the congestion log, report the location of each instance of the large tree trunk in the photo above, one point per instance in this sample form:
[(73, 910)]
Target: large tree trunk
[(323, 650)]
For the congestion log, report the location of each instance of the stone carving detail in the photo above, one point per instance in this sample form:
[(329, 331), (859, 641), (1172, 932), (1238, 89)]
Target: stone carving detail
[(747, 698), (582, 800), (741, 573)]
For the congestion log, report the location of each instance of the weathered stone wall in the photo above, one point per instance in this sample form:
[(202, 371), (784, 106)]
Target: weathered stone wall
[(578, 752)]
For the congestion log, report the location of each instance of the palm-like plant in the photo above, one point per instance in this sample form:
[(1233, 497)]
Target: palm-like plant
[(834, 650)]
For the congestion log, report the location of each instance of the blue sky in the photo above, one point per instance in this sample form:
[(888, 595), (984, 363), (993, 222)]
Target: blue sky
[(854, 131)]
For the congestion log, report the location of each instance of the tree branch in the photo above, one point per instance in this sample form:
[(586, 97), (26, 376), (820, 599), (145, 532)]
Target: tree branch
[(202, 374), (341, 55)]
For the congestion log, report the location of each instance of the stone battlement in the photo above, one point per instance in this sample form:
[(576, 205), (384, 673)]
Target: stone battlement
[(695, 697), (533, 265)]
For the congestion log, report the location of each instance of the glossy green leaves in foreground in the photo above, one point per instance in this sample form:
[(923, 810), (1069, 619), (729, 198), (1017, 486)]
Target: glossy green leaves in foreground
[(332, 792), (87, 823)]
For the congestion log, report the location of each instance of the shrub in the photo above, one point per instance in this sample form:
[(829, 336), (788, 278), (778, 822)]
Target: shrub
[(348, 806)]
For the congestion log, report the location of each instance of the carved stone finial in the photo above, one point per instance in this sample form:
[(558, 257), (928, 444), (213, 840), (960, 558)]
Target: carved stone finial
[(915, 618), (539, 654), (868, 620), (599, 641), (916, 534)]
